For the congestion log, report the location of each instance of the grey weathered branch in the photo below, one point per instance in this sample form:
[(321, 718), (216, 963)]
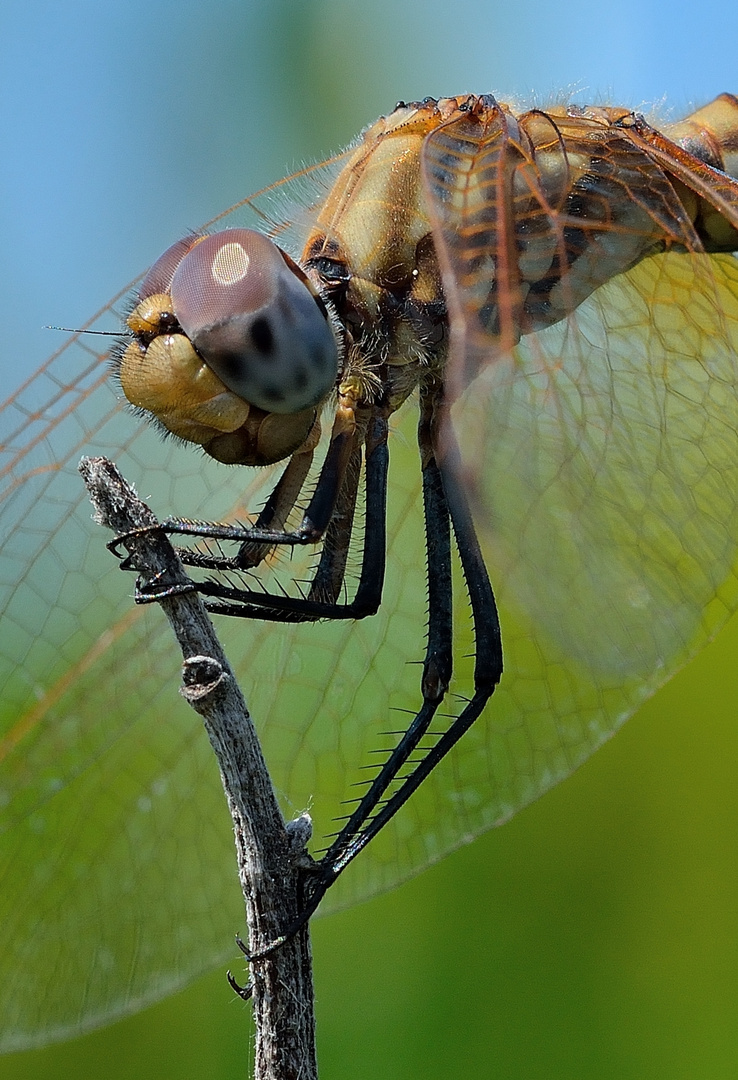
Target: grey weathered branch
[(268, 862)]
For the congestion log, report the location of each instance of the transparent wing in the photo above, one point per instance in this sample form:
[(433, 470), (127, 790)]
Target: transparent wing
[(117, 879), (606, 481), (117, 876), (601, 450)]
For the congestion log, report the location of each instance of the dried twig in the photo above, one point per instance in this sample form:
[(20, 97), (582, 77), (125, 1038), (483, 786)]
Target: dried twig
[(269, 852)]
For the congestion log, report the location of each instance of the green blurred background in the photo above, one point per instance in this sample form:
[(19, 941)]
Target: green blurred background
[(597, 933)]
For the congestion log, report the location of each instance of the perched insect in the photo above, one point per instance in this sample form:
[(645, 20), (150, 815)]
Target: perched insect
[(551, 299)]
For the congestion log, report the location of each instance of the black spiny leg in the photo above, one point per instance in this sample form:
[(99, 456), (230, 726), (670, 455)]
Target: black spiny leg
[(373, 810), (329, 574), (443, 500), (329, 517)]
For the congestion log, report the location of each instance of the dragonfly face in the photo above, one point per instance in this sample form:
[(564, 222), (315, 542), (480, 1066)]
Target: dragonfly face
[(558, 291), (238, 300)]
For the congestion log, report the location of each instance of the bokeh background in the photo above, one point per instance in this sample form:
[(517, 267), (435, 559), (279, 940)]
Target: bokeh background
[(597, 933)]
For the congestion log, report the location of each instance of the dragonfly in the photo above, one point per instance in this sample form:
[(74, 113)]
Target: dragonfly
[(464, 403)]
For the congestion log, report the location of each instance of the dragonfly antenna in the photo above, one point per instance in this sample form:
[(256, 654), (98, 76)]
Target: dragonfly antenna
[(70, 330)]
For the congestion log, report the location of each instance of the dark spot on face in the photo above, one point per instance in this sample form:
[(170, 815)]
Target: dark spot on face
[(229, 366), (300, 377), (273, 394), (262, 337)]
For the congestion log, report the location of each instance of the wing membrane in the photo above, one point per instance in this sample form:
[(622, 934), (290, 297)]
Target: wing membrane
[(601, 448), (716, 188), (601, 453), (607, 474)]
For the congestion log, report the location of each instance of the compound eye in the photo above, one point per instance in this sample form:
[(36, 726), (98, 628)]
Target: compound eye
[(255, 323), (159, 277)]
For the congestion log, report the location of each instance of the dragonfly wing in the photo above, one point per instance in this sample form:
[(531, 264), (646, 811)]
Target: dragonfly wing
[(530, 216), (600, 449), (716, 188), (607, 449), (117, 872), (607, 474), (113, 873), (600, 452)]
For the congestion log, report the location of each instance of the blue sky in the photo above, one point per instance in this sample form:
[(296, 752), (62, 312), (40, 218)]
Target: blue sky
[(122, 125)]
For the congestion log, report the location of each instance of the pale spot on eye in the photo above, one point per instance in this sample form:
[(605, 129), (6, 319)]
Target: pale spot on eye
[(230, 264)]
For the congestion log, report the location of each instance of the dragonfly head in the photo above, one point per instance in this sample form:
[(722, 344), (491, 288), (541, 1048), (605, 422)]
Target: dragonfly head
[(233, 348)]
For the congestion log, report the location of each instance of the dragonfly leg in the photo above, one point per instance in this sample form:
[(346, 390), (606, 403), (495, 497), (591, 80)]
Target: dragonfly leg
[(244, 992), (372, 812), (280, 503), (156, 588), (329, 517), (321, 600), (446, 507), (272, 518)]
